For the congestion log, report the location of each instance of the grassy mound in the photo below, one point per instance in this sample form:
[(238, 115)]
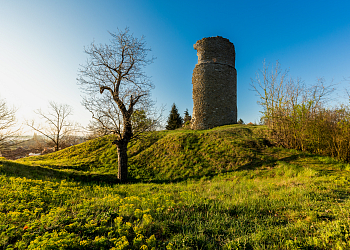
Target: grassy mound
[(166, 155), (181, 155)]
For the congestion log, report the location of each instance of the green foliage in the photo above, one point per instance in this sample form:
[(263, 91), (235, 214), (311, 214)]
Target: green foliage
[(174, 120), (141, 122), (66, 215)]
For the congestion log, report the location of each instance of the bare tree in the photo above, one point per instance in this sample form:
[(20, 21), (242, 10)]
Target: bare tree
[(7, 123), (57, 129), (118, 91), (280, 95), (272, 90), (292, 110)]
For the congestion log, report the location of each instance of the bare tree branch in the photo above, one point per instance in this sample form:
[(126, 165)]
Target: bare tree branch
[(8, 132), (57, 128), (125, 107)]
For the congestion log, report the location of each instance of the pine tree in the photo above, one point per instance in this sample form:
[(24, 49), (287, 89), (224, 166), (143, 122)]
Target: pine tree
[(240, 121), (174, 120), (187, 117)]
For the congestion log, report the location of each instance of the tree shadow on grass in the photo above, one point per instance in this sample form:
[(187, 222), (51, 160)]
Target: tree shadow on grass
[(52, 173), (142, 142), (253, 164), (48, 174), (258, 163)]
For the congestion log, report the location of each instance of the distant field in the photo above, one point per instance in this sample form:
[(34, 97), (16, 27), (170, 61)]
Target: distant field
[(225, 188)]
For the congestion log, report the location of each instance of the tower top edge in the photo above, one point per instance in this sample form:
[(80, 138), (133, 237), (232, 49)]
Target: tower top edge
[(213, 39)]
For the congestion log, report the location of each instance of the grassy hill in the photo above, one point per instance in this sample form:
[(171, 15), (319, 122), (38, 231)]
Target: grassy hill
[(224, 188), (166, 155)]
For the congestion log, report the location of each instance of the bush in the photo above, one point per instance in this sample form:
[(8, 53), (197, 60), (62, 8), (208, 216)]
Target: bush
[(297, 117)]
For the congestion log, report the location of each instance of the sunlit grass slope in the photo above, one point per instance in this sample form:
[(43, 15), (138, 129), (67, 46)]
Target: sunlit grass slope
[(224, 188), (165, 155)]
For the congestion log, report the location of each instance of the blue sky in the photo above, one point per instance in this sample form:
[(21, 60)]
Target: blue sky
[(42, 45)]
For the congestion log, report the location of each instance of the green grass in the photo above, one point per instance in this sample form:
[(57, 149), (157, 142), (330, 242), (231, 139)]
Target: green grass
[(165, 156), (224, 188)]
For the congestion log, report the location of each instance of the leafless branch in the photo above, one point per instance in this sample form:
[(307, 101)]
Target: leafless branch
[(57, 128), (8, 132), (117, 90)]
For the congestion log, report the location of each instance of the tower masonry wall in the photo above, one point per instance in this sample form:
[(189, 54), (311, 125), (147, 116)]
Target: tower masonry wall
[(214, 82)]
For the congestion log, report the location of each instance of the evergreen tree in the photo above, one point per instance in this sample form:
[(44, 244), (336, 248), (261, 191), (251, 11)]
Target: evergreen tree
[(240, 121), (174, 119), (187, 117)]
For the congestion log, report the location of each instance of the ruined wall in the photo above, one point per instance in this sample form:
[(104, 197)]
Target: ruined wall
[(214, 82)]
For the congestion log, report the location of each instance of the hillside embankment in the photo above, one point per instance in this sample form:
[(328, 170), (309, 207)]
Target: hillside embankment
[(224, 188), (167, 155)]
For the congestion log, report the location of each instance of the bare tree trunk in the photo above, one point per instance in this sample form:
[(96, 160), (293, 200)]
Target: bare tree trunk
[(122, 147)]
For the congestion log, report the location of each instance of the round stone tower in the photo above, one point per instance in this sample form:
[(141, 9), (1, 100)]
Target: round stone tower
[(214, 82)]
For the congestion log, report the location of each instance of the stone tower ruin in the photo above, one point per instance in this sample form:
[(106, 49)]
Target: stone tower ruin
[(214, 82)]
